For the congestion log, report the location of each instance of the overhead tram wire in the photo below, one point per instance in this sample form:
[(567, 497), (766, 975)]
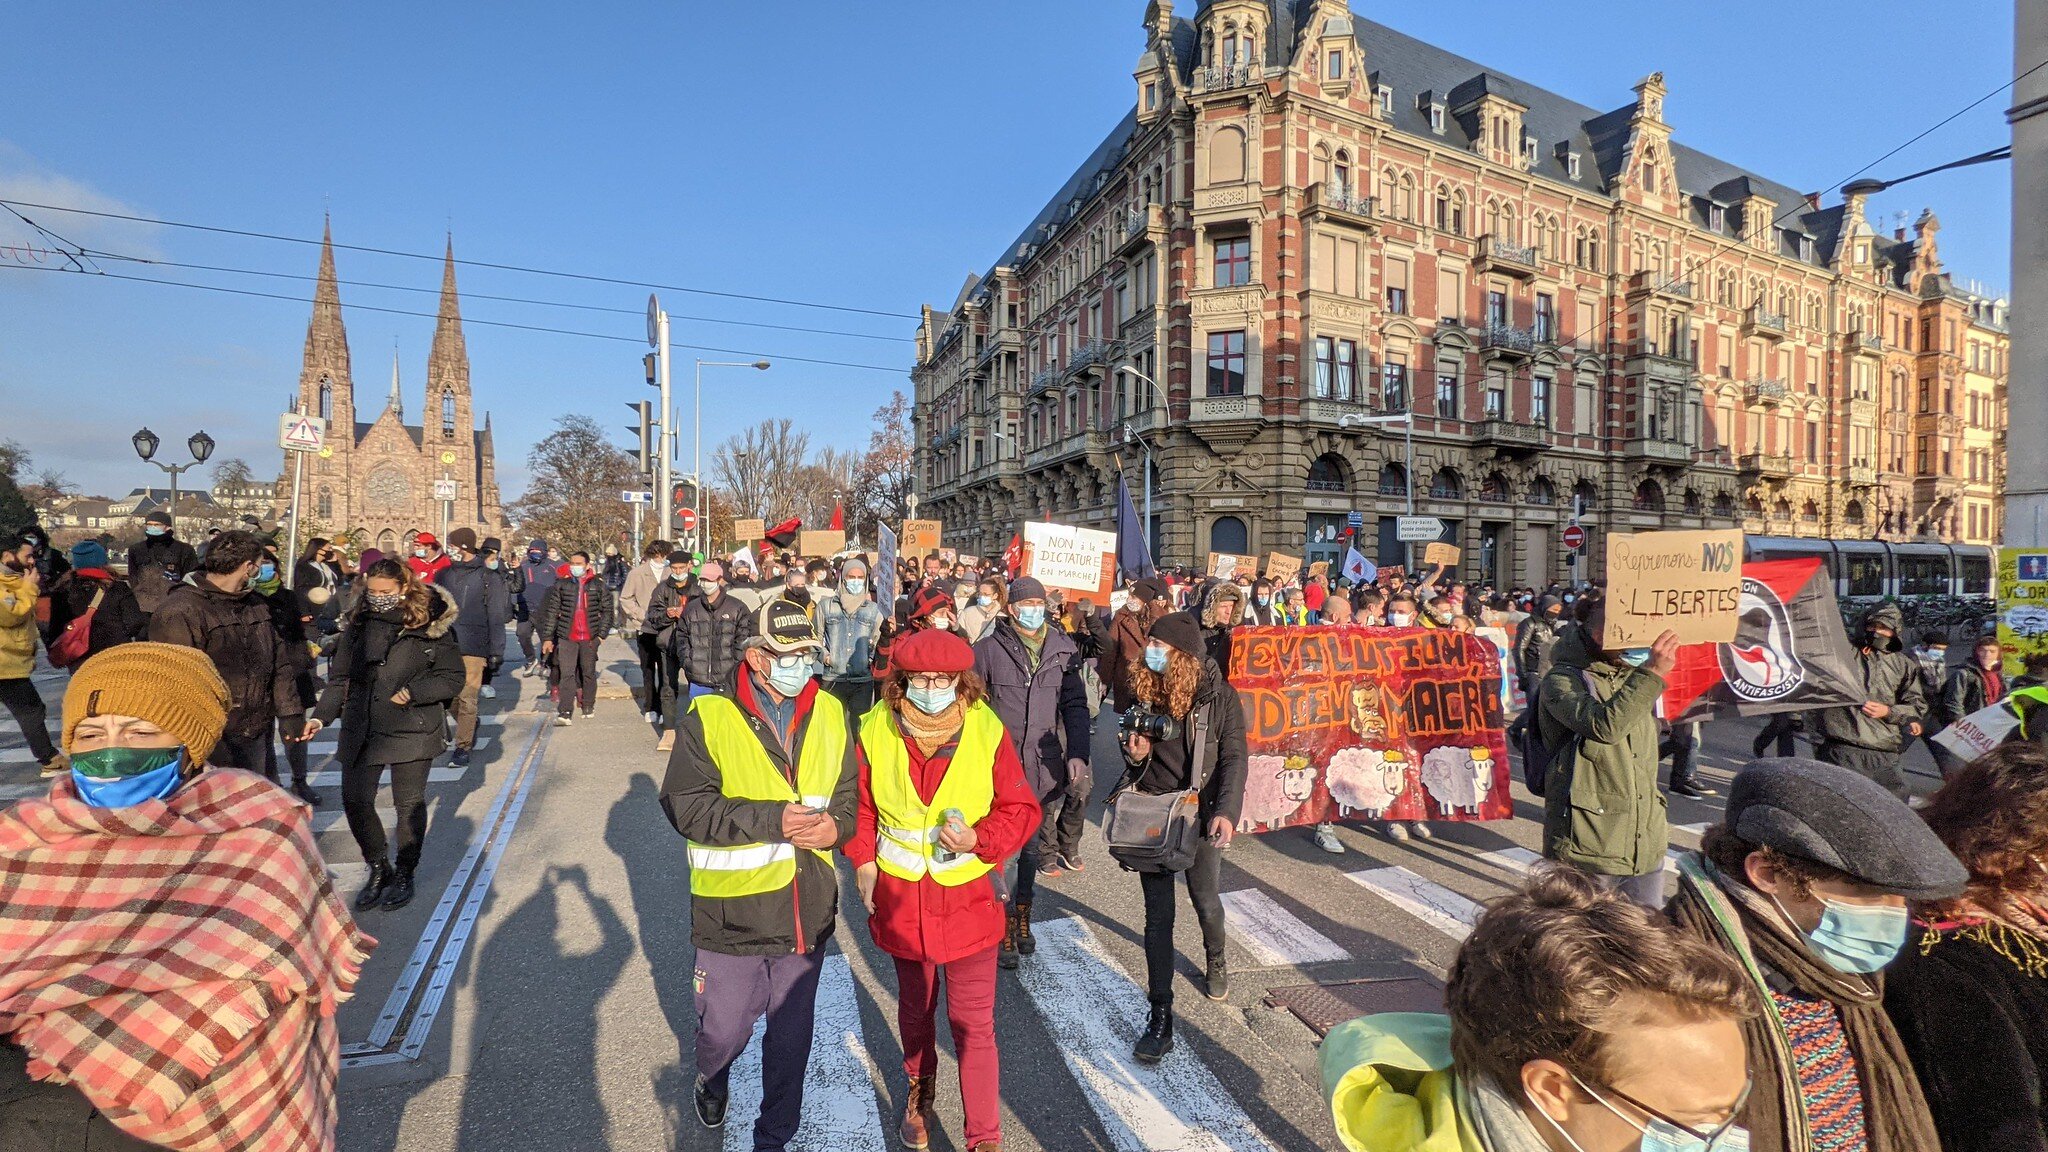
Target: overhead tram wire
[(894, 370), (254, 235)]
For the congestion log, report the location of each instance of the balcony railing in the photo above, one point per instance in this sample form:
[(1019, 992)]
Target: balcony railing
[(1862, 476), (1510, 338), (1220, 77), (1764, 391), (1652, 281), (1512, 435), (1327, 486), (1337, 198), (1227, 408), (1759, 322), (1682, 352), (1330, 409), (1860, 341), (1658, 451), (1088, 356), (1393, 489), (1504, 255), (1767, 464), (1043, 381)]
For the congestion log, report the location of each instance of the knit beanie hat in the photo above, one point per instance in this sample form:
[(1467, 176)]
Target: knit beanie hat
[(88, 554), (1179, 630), (172, 686)]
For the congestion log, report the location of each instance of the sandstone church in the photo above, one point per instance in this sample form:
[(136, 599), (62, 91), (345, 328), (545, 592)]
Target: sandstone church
[(376, 479)]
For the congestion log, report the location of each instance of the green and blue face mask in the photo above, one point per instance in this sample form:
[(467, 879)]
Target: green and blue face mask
[(125, 777)]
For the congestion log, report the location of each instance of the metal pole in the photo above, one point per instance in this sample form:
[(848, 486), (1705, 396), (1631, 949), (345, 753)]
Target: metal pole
[(1149, 547), (447, 509), (1408, 549), (291, 545), (664, 489), (173, 469), (697, 457)]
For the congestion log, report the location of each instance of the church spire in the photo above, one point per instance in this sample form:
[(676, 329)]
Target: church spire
[(396, 402), (448, 362), (325, 387)]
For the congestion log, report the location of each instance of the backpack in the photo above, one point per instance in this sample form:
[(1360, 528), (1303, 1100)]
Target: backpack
[(1537, 757)]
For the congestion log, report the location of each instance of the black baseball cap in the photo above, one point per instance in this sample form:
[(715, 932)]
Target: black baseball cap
[(784, 628)]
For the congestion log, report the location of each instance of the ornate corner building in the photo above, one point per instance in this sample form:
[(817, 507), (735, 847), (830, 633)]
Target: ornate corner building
[(1314, 236), (386, 478)]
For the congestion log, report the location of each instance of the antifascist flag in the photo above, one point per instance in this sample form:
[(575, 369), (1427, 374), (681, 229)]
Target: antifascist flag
[(1790, 653), (1357, 568), (784, 534)]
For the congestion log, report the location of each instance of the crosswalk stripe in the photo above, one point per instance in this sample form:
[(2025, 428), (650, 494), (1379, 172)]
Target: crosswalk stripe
[(1426, 900), (1273, 935), (1521, 859), (1094, 1012), (9, 793), (440, 774), (840, 1113)]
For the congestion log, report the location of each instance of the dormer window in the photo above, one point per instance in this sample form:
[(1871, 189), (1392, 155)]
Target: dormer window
[(1436, 118), (1571, 164), (1386, 99), (1335, 68), (1151, 95), (1806, 247), (1529, 152), (1717, 217)]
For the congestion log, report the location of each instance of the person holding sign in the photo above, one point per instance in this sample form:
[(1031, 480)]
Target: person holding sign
[(1869, 738)]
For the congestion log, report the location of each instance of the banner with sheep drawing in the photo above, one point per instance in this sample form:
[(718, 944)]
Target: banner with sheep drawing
[(1370, 723)]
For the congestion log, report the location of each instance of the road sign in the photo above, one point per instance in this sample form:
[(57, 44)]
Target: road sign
[(686, 519), (296, 433), (445, 490), (1574, 537), (653, 323), (637, 497), (1356, 520), (1418, 529)]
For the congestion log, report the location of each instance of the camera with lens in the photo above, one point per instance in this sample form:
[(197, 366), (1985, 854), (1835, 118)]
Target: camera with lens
[(1142, 720)]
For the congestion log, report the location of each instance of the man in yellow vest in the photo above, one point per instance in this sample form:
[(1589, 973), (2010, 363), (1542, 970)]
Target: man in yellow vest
[(763, 785)]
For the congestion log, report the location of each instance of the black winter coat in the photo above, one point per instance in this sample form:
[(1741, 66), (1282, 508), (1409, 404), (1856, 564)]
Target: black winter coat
[(707, 640), (375, 657), (157, 564), (485, 605), (1971, 1007), (1171, 765), (1966, 691), (557, 614), (1045, 710), (1889, 677), (239, 632), (118, 620)]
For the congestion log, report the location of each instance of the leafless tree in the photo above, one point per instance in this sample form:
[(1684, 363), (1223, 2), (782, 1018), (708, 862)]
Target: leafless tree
[(572, 498)]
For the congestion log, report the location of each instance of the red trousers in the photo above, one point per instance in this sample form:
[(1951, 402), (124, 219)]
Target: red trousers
[(971, 1011)]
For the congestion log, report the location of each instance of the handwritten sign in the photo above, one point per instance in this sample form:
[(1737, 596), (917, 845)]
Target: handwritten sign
[(946, 555), (921, 536), (1353, 722), (820, 542), (1391, 575), (1076, 559), (748, 531), (1282, 569), (1224, 566), (970, 561), (1436, 552), (1319, 568), (1688, 582)]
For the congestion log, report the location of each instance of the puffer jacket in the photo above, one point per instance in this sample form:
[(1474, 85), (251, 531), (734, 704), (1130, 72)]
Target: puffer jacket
[(239, 633), (1890, 677), (850, 637), (376, 656), (17, 625), (707, 640), (1602, 810), (1044, 709), (557, 615)]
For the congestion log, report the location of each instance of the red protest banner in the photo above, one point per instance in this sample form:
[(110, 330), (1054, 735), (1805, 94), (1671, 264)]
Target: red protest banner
[(1370, 723)]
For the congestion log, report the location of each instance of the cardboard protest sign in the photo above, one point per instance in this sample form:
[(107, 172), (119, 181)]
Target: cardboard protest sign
[(1076, 559), (1511, 693), (1688, 582), (1370, 723), (970, 561), (747, 531), (1789, 652), (821, 542), (1319, 568), (1979, 732), (2022, 605), (1224, 566), (1436, 553), (1282, 569), (948, 555), (920, 536)]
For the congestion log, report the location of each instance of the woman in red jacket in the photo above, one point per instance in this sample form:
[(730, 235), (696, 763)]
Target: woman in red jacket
[(943, 803)]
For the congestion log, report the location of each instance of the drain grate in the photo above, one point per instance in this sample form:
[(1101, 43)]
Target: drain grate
[(1324, 1006)]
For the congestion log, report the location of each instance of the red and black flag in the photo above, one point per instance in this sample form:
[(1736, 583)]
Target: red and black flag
[(1790, 652), (783, 535)]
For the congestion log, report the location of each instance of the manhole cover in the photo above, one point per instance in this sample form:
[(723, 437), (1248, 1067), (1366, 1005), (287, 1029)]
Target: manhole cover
[(1324, 1006)]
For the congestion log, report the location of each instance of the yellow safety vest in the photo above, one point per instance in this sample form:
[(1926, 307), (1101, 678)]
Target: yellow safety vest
[(2037, 695), (907, 829), (719, 871)]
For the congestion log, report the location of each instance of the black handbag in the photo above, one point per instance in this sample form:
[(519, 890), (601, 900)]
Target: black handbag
[(1159, 832)]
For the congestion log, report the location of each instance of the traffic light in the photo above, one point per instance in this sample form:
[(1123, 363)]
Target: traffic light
[(648, 362), (645, 429)]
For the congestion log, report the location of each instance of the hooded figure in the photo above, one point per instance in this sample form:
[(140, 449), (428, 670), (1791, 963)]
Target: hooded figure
[(1219, 607), (1868, 738)]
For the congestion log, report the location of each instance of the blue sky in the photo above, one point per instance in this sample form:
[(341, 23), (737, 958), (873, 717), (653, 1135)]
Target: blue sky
[(869, 156)]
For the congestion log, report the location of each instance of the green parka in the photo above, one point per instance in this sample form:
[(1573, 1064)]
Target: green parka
[(1602, 811)]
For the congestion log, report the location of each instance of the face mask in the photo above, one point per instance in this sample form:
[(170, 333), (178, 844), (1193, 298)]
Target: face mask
[(1660, 1135), (266, 572), (680, 577), (788, 674), (155, 530), (931, 701), (1400, 619), (711, 589), (492, 563), (1635, 657), (383, 602), (854, 586), (1031, 619), (420, 552), (985, 601), (125, 777), (942, 623), (1856, 939), (1155, 659), (534, 557), (1569, 598), (1264, 600), (576, 571)]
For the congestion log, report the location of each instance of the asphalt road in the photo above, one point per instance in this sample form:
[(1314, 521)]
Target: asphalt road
[(537, 994)]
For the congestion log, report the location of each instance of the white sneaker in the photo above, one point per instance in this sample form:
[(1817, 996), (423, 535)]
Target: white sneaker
[(487, 692), (1326, 839), (1397, 831), (561, 721), (1421, 831), (651, 716)]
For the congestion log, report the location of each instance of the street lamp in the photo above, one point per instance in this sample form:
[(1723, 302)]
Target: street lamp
[(1152, 399), (1407, 421), (199, 444), (703, 529)]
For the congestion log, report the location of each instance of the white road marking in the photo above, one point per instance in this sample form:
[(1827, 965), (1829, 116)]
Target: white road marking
[(349, 879), (1438, 906), (332, 818), (1273, 935), (1094, 1013), (439, 774), (840, 1113), (1521, 859)]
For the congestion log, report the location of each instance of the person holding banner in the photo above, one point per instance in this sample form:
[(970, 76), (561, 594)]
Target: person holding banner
[(1971, 687), (1177, 681), (1869, 738)]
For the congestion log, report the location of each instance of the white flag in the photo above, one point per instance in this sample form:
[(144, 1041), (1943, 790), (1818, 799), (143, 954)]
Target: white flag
[(1357, 568)]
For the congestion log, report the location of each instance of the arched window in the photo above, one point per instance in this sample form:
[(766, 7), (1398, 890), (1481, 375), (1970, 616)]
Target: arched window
[(326, 502), (1328, 473), (1585, 497), (1649, 169), (1782, 509), (1649, 496), (326, 399), (1541, 493), (448, 414), (1446, 485), (1853, 512), (1809, 512), (1342, 172), (1228, 534), (1393, 480), (1755, 506), (1692, 502), (1593, 251), (1494, 488), (1226, 155), (1724, 506)]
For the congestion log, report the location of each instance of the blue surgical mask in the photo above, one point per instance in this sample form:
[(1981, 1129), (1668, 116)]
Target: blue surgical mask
[(576, 570), (266, 572), (125, 777), (854, 585), (789, 674), (1031, 619), (1635, 657), (931, 701), (1155, 659), (154, 530), (1857, 938), (1659, 1135), (985, 601)]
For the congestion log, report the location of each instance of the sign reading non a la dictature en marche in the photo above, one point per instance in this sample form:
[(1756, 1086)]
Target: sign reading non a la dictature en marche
[(1687, 582), (1076, 559), (1370, 723)]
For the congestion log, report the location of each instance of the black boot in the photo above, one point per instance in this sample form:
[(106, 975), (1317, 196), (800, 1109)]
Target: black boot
[(710, 1102), (1158, 1038), (400, 892), (1006, 950), (373, 892), (1025, 944), (1217, 986)]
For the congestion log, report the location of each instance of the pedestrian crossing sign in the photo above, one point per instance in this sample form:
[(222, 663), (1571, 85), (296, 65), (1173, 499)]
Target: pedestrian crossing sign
[(296, 433)]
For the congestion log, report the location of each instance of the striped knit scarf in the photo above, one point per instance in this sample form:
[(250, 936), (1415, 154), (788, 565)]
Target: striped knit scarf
[(179, 962)]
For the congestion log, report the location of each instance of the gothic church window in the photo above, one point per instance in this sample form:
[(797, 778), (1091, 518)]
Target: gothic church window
[(448, 415)]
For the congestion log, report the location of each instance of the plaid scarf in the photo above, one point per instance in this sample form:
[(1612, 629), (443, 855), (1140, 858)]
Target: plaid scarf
[(179, 962)]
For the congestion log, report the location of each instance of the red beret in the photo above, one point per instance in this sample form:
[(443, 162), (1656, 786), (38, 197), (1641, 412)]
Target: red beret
[(931, 650)]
